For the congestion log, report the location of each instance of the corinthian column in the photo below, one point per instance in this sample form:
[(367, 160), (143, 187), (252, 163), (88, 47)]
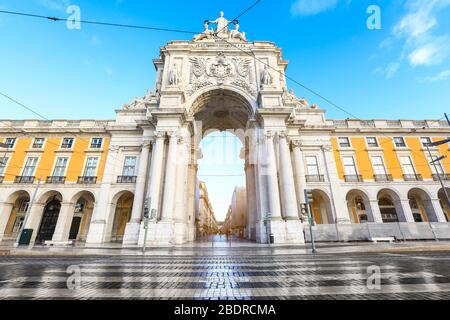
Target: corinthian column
[(131, 235), (272, 179), (288, 198), (169, 183), (300, 174), (154, 182)]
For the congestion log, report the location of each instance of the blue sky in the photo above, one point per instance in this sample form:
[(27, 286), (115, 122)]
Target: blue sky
[(400, 71)]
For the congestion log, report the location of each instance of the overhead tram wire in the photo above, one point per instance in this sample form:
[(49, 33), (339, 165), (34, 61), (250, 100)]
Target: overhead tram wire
[(108, 24), (251, 53)]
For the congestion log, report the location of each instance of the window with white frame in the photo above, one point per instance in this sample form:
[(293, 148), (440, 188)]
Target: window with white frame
[(399, 142), (372, 142), (312, 166), (437, 166), (96, 143), (378, 165), (407, 165), (10, 142), (344, 142), (30, 167), (426, 141), (3, 163), (91, 167), (129, 167), (349, 166), (60, 167), (38, 143), (67, 143)]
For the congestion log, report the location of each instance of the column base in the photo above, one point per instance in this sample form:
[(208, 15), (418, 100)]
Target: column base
[(287, 232), (180, 233), (131, 235), (97, 232)]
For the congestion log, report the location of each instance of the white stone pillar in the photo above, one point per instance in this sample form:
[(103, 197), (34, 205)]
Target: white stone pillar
[(375, 210), (339, 205), (300, 173), (34, 219), (154, 183), (169, 182), (181, 193), (64, 223), (288, 198), (97, 230), (131, 235), (5, 213), (272, 179), (251, 200), (403, 209), (440, 215)]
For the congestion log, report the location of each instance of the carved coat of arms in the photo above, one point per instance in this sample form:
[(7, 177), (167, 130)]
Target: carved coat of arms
[(208, 71)]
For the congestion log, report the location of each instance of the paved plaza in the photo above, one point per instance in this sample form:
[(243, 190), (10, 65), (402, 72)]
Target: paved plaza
[(222, 273)]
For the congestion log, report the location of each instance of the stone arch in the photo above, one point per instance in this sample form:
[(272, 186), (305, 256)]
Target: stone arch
[(46, 213), (444, 202), (421, 205), (13, 213), (322, 207), (359, 208), (121, 206), (83, 202), (390, 206)]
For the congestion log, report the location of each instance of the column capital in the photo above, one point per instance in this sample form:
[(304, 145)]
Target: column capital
[(160, 134), (282, 134), (327, 147), (296, 143)]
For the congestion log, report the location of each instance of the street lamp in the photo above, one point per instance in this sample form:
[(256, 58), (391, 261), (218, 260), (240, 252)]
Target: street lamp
[(433, 162)]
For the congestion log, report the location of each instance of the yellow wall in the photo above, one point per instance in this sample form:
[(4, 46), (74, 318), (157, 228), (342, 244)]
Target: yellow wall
[(420, 161), (337, 157), (444, 151), (47, 159), (392, 162), (101, 165), (362, 159), (17, 160)]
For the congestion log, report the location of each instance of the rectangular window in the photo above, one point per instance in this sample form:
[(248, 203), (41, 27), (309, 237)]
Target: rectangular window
[(438, 166), (344, 142), (407, 166), (372, 142), (312, 167), (378, 166), (3, 163), (426, 141), (67, 143), (96, 143), (349, 166), (129, 167), (60, 167), (38, 143), (399, 142), (91, 167), (30, 167), (10, 142)]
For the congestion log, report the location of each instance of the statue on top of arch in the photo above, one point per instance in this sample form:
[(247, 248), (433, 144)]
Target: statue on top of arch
[(221, 31)]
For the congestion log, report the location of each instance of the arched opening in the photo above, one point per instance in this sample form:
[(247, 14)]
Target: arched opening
[(389, 205), (321, 208), (16, 215), (444, 203), (49, 220), (122, 215), (84, 206), (421, 206), (224, 166), (359, 207)]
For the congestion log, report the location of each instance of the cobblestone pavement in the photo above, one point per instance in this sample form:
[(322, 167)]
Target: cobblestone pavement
[(235, 275)]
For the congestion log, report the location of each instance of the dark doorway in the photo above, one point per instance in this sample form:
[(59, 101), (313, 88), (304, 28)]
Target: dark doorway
[(49, 220), (74, 228)]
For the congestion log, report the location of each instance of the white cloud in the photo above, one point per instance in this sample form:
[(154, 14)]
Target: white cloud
[(441, 76), (57, 5), (312, 7), (415, 31)]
